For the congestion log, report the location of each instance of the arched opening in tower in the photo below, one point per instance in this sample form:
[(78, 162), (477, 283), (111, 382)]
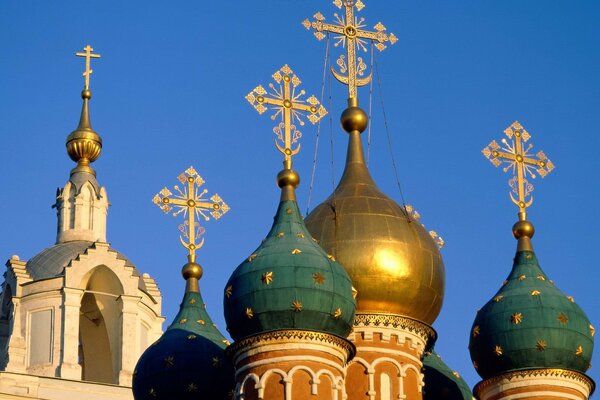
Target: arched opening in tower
[(100, 327)]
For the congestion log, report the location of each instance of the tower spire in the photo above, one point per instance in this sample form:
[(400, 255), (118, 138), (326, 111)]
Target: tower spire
[(287, 103), (84, 144), (192, 203)]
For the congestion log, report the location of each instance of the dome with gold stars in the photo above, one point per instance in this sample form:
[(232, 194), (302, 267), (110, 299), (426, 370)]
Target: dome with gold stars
[(289, 282), (188, 361), (530, 323), (393, 262)]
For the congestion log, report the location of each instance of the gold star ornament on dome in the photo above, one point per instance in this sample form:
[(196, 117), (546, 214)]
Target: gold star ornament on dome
[(518, 159), (191, 201), (349, 32), (285, 100)]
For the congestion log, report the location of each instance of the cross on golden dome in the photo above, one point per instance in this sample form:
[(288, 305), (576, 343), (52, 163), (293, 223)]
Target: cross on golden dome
[(192, 203), (517, 158), (349, 34), (88, 70), (288, 104)]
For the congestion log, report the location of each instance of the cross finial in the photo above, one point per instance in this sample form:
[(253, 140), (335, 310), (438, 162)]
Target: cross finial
[(190, 201), (286, 102), (88, 70), (349, 33), (523, 164)]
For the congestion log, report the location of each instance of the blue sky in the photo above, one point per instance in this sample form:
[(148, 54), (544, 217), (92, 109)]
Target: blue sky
[(169, 92)]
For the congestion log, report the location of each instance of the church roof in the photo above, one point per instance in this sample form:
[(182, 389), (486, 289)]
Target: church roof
[(530, 324), (188, 361), (441, 382), (52, 261), (289, 282)]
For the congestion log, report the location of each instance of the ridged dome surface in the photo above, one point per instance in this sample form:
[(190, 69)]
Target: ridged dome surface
[(530, 324), (441, 382), (188, 361), (392, 260), (289, 282)]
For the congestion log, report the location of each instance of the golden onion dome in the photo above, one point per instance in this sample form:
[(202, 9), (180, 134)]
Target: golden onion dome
[(394, 263)]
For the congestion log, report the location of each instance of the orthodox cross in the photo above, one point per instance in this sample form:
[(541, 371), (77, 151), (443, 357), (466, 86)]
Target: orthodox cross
[(287, 103), (88, 56), (351, 36), (192, 203), (518, 159)]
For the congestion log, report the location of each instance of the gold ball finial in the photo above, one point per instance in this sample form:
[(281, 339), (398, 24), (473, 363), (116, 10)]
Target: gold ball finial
[(523, 229), (353, 119), (191, 270), (84, 144), (288, 177)]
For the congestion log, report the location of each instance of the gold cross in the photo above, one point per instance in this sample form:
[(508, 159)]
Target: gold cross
[(88, 71), (520, 161), (192, 203), (351, 36), (288, 104)]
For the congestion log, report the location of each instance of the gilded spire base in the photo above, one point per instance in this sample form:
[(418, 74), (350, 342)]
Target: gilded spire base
[(523, 231), (84, 145), (354, 118)]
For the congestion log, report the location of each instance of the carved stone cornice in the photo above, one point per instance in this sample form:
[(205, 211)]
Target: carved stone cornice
[(292, 335), (536, 373), (421, 329)]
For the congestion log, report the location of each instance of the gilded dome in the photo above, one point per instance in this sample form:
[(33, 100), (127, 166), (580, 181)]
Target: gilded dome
[(393, 262)]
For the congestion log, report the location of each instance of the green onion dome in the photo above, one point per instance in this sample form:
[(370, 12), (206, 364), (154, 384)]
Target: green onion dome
[(289, 282), (529, 323), (188, 361), (441, 382)]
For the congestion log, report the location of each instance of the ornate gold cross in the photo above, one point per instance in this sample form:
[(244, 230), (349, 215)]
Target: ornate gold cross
[(520, 161), (351, 36), (88, 56), (192, 203), (287, 103)]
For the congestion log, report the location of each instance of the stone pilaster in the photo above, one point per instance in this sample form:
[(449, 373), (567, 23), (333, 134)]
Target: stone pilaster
[(69, 367), (17, 345), (130, 338)]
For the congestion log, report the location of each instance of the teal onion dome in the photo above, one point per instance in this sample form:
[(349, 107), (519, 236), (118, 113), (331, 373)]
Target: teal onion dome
[(188, 361), (289, 282), (441, 382), (530, 324)]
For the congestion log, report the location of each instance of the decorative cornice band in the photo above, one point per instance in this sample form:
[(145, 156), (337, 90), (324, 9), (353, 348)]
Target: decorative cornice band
[(426, 332), (536, 373), (294, 335)]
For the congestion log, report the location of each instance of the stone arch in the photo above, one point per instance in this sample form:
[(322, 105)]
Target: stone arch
[(412, 381), (357, 379), (100, 326), (273, 385), (387, 375), (303, 382), (248, 388), (328, 388)]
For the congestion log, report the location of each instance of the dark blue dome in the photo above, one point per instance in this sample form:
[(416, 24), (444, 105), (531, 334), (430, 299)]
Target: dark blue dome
[(188, 361)]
